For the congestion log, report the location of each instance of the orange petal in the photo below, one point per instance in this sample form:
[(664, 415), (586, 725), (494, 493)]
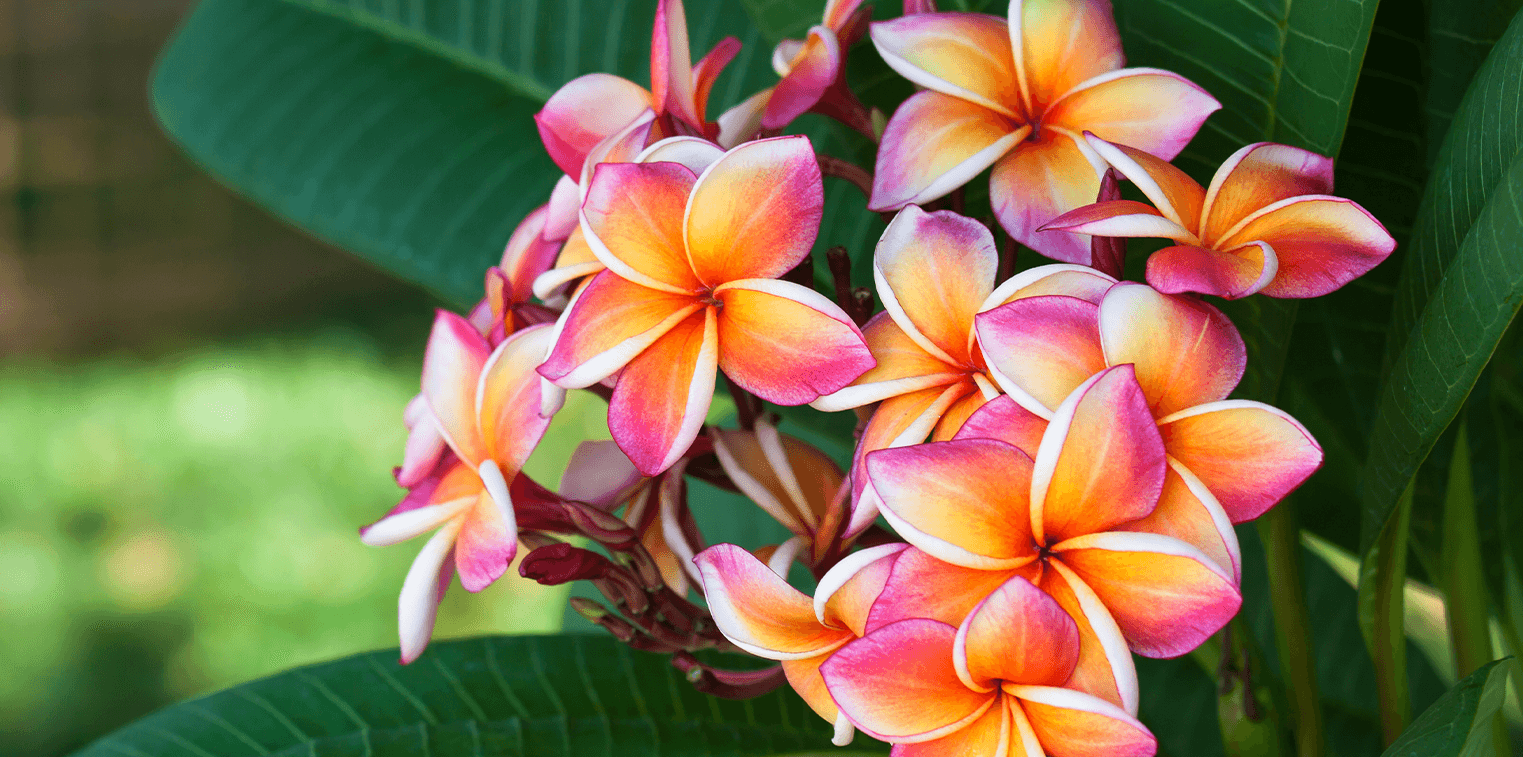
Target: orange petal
[(804, 676), (960, 501), (508, 398), (933, 271), (903, 366), (1101, 461), (791, 480), (706, 70), (962, 55), (1151, 110), (1185, 351), (1166, 596), (1321, 243), (847, 592), (759, 611), (787, 343), (1073, 724), (1068, 280), (575, 261), (898, 421), (957, 415), (936, 143), (755, 212), (898, 684), (662, 396), (1064, 42), (1004, 419), (1250, 455), (451, 369), (1188, 512), (1175, 194), (1257, 176), (1018, 634), (632, 219), (1038, 181), (608, 323), (1040, 349), (988, 736), (486, 544), (1233, 274), (921, 586), (1105, 667)]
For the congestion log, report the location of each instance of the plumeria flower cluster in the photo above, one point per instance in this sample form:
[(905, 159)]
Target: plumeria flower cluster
[(1048, 463)]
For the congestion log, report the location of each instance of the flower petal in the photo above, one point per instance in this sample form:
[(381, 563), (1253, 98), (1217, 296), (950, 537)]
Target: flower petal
[(956, 415), (1040, 349), (935, 143), (759, 611), (921, 586), (1257, 176), (451, 368), (418, 605), (812, 72), (1004, 419), (1105, 667), (1151, 110), (610, 322), (424, 446), (1038, 181), (663, 394), (898, 684), (753, 466), (1073, 724), (1188, 512), (903, 366), (1234, 274), (846, 593), (988, 736), (671, 63), (1185, 351), (586, 111), (508, 398), (743, 120), (933, 271), (1065, 279), (1101, 462), (632, 220), (787, 343), (1321, 243), (694, 153), (1166, 596), (599, 474), (620, 147), (706, 70), (755, 212), (485, 546), (1018, 634), (1118, 218), (1250, 455), (804, 676), (962, 55), (529, 254), (1175, 194), (960, 501), (575, 261), (1064, 42), (898, 421)]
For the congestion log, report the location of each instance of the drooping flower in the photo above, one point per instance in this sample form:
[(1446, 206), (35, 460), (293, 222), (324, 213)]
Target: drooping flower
[(592, 107), (1187, 357), (934, 273), (691, 290), (1099, 470), (486, 404), (1267, 223), (1022, 109), (989, 687), (759, 612)]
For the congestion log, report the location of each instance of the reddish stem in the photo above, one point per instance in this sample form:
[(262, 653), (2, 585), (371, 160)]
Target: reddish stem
[(845, 169)]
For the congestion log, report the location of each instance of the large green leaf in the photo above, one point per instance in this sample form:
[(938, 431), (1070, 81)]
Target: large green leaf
[(403, 132), (539, 696), (1458, 724)]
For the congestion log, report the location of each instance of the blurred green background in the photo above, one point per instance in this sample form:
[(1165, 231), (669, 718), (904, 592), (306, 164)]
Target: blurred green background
[(198, 407)]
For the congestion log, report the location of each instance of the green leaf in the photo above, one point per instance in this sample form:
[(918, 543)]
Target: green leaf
[(540, 696), (1459, 723), (784, 19), (403, 132)]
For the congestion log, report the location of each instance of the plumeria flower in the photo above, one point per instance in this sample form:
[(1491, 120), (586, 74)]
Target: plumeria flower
[(759, 612), (809, 69), (1266, 224), (934, 273), (1022, 109), (798, 485), (691, 290), (1068, 521), (989, 687), (486, 404), (590, 108), (1187, 357)]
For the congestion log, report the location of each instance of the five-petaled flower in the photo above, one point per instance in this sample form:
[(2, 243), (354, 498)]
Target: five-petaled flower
[(1266, 224), (1023, 108)]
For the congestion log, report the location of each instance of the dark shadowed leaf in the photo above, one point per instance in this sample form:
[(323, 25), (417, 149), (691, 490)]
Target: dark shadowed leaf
[(1458, 724)]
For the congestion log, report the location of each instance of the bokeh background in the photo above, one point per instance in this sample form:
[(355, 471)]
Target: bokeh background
[(198, 407)]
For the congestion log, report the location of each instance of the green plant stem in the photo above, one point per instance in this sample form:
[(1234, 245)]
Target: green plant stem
[(1382, 580), (1281, 533)]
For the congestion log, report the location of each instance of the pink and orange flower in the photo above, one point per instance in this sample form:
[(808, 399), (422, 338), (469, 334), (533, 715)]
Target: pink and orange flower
[(691, 289), (1017, 94), (1267, 223)]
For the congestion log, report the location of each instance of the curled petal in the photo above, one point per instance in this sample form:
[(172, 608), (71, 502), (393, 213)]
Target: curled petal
[(1038, 181), (694, 153), (1166, 596), (898, 684), (1250, 455), (903, 366), (610, 322), (837, 12), (933, 271), (1004, 419), (1234, 274), (1105, 667), (761, 464), (811, 71), (663, 394), (755, 212), (759, 611), (846, 593), (962, 55), (1101, 461), (959, 501), (529, 253), (1119, 218), (1188, 512), (620, 147), (1321, 243), (1018, 634), (1257, 176), (599, 474), (671, 63), (400, 524), (706, 70), (426, 581), (742, 121), (486, 543), (787, 343), (1063, 43), (921, 586), (452, 366), (1185, 351), (1073, 724), (586, 111), (1040, 349), (1176, 195), (1064, 279), (575, 261), (632, 220), (1151, 110), (935, 143), (508, 398), (425, 444)]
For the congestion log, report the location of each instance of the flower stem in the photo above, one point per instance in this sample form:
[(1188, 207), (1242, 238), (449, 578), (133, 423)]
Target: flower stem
[(1382, 579), (1280, 531), (845, 169)]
